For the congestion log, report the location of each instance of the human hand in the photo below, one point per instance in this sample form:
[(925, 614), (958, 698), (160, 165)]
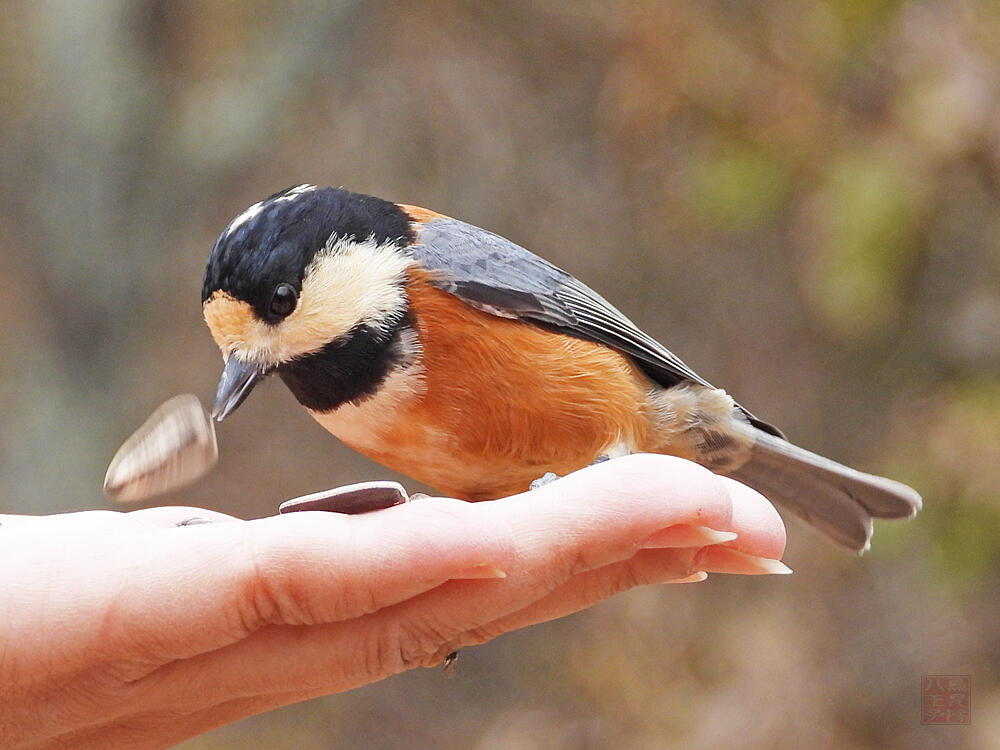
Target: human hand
[(123, 630)]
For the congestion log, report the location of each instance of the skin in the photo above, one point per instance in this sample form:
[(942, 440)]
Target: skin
[(125, 630)]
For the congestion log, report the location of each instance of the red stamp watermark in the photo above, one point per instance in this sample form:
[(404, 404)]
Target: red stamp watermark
[(945, 699)]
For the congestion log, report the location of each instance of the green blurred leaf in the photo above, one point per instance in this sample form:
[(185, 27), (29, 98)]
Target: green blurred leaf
[(859, 19), (863, 241), (952, 450), (738, 187), (968, 544)]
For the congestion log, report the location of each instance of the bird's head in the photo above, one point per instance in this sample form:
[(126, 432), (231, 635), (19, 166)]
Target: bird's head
[(309, 283)]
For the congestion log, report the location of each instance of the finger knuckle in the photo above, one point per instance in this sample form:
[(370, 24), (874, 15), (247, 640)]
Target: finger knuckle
[(615, 581), (268, 592), (626, 577), (576, 561), (407, 645), (419, 642)]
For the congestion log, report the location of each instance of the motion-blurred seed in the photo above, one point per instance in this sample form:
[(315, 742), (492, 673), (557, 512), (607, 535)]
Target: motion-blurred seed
[(173, 448)]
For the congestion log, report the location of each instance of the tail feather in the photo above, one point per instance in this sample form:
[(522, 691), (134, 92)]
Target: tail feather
[(835, 499)]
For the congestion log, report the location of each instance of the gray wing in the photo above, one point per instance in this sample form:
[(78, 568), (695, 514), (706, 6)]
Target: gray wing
[(497, 276)]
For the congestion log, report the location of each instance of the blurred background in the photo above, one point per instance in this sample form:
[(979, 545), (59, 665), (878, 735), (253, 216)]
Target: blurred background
[(801, 199)]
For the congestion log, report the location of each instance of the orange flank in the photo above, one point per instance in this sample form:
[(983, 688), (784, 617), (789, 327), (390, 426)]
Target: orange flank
[(501, 402)]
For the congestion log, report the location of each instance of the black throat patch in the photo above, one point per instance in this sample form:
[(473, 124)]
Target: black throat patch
[(349, 369)]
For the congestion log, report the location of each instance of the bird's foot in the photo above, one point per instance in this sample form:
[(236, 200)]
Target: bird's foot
[(550, 476)]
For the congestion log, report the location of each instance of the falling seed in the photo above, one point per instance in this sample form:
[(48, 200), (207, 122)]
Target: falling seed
[(173, 448)]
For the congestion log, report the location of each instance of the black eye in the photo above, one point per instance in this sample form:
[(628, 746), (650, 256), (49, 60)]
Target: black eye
[(283, 300)]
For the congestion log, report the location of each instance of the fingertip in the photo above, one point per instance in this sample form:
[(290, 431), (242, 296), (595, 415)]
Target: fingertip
[(760, 528)]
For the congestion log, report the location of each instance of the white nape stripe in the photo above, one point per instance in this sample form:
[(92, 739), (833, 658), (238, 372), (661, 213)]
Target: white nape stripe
[(243, 218), (295, 192), (256, 208)]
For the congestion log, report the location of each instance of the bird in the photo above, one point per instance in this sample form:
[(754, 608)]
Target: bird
[(463, 360)]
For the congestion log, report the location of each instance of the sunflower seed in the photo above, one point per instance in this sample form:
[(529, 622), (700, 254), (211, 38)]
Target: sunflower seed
[(352, 499), (173, 448)]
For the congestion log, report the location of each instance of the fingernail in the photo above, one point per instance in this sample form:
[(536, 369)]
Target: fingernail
[(698, 577), (481, 571), (683, 535), (726, 560)]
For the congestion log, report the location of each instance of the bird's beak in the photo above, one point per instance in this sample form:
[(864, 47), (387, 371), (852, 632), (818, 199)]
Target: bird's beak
[(237, 380)]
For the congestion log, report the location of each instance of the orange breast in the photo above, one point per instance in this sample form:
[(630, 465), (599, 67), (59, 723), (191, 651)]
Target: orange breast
[(502, 402)]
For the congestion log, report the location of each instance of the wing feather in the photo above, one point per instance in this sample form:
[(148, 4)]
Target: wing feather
[(497, 276)]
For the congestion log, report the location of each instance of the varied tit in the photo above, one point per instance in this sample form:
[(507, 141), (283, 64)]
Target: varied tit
[(457, 357)]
